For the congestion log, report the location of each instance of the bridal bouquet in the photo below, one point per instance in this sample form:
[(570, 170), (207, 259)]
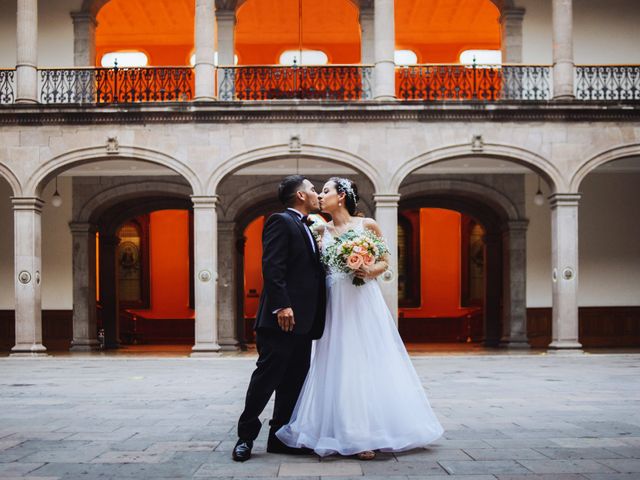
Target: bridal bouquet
[(351, 250)]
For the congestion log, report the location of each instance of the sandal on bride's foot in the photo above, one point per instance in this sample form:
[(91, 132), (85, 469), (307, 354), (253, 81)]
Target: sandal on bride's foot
[(367, 455)]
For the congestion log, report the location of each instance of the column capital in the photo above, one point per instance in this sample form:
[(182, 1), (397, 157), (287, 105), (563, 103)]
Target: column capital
[(84, 17), (227, 227), (520, 225), (366, 12), (226, 15), (512, 13), (82, 227), (205, 201), (27, 203), (386, 199), (564, 200)]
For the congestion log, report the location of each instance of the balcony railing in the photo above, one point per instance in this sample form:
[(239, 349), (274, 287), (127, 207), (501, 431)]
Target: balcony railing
[(7, 86), (116, 85), (331, 82), (607, 82), (351, 83), (429, 83)]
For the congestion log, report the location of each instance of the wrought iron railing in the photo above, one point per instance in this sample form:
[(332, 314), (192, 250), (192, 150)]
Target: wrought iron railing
[(331, 82), (607, 82), (116, 85), (473, 82), (7, 86), (425, 83)]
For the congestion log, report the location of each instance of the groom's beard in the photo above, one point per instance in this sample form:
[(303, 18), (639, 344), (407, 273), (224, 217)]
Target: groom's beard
[(315, 210)]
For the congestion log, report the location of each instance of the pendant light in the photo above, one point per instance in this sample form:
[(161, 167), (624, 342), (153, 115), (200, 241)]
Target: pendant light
[(56, 200), (538, 199)]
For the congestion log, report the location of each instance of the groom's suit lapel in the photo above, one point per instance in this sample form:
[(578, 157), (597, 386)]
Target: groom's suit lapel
[(303, 232)]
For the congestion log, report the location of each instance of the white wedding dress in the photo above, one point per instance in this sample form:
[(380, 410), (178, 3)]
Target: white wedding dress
[(362, 391)]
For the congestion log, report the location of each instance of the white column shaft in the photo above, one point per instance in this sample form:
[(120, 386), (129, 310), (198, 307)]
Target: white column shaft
[(205, 72), (563, 66), (84, 287), (564, 255), (27, 52), (84, 39), (511, 33), (206, 273), (514, 327), (227, 314), (367, 56), (27, 279), (225, 42), (384, 48), (387, 218)]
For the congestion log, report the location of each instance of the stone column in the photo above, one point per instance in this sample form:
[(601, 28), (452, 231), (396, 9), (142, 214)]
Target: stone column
[(28, 267), (206, 275), (204, 67), (384, 74), (387, 218), (109, 289), (492, 284), (226, 24), (563, 67), (367, 56), (514, 326), (227, 286), (84, 39), (85, 329), (511, 34), (27, 52), (564, 256)]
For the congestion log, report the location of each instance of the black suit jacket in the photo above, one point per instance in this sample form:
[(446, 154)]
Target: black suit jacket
[(293, 276)]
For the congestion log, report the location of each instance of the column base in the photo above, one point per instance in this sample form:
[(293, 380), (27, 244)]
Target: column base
[(84, 346), (229, 345), (30, 101), (209, 350), (30, 350), (385, 98), (565, 97), (515, 344), (565, 347), (204, 99)]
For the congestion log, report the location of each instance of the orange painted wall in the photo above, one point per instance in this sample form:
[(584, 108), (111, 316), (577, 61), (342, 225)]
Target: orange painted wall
[(169, 264), (437, 30), (253, 265), (440, 244)]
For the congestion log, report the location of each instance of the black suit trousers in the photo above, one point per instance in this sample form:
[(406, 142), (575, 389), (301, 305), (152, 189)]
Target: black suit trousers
[(283, 363)]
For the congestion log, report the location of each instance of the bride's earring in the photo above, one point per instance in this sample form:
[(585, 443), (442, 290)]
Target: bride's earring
[(339, 204)]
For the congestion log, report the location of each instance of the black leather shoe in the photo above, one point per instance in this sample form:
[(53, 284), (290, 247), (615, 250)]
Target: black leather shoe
[(274, 445), (242, 450)]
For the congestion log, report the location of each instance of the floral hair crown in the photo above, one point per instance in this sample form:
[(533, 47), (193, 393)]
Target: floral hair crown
[(347, 188)]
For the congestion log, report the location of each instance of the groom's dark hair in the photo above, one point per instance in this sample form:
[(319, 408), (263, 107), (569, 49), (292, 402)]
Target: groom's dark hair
[(288, 188)]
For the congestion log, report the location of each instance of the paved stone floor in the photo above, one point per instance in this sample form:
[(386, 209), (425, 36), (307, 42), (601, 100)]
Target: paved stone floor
[(506, 417)]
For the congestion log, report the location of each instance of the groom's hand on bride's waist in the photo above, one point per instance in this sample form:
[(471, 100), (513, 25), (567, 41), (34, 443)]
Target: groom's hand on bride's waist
[(286, 320)]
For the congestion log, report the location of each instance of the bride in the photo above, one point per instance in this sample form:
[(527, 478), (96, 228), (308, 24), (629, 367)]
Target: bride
[(361, 393)]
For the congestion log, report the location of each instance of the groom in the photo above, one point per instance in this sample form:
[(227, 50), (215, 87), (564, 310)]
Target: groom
[(290, 316)]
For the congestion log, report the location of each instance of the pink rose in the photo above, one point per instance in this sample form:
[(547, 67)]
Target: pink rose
[(369, 260), (354, 261)]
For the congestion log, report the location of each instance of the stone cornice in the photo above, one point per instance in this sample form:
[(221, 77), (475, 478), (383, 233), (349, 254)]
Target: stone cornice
[(316, 111)]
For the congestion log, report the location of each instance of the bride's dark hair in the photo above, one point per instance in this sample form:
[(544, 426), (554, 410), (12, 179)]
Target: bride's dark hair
[(350, 190)]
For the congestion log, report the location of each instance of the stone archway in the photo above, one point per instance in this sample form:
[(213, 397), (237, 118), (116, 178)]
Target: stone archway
[(505, 224), (102, 209)]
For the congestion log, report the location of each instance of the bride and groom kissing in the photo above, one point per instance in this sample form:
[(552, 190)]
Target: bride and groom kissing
[(327, 344)]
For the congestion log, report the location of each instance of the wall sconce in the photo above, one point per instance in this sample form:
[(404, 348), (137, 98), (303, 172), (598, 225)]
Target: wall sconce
[(56, 200)]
